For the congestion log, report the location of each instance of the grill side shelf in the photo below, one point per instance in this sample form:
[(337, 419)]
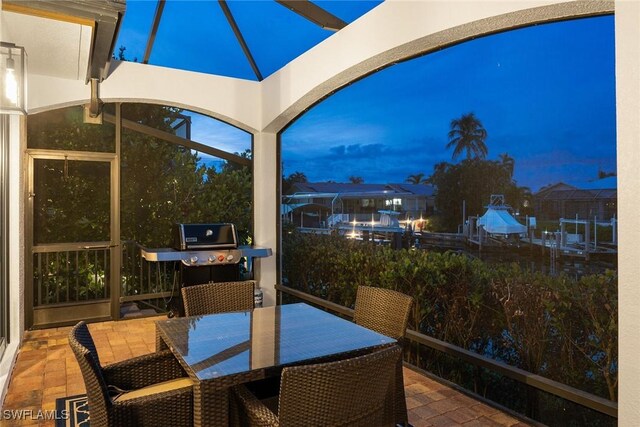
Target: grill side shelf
[(170, 254), (255, 252)]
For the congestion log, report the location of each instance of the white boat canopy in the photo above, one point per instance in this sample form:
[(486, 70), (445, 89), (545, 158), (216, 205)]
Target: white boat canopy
[(500, 221)]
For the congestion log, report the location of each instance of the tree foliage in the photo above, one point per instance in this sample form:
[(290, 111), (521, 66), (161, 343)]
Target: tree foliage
[(417, 178), (508, 162), (467, 135), (161, 182), (558, 327), (164, 183), (294, 178), (472, 181)]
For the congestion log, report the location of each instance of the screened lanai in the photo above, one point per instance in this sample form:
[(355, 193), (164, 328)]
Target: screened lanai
[(145, 34), (194, 78)]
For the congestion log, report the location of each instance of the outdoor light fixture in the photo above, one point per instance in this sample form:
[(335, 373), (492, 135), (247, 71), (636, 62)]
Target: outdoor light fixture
[(13, 81)]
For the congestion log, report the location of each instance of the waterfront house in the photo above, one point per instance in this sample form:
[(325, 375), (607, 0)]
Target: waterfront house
[(356, 202), (584, 200)]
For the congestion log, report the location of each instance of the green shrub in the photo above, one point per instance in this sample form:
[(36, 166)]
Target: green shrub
[(555, 326)]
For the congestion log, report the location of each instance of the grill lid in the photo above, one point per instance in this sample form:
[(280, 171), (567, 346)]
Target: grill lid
[(204, 236)]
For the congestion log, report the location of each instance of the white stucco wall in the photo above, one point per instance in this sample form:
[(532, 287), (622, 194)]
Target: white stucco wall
[(16, 251), (234, 101), (393, 31), (628, 130), (266, 210)]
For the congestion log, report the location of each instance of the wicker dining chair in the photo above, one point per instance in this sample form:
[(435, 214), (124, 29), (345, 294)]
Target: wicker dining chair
[(219, 297), (383, 310), (387, 312), (350, 392), (149, 390)]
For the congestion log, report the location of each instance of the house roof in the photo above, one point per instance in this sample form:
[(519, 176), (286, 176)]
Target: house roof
[(605, 188), (608, 183), (362, 190), (426, 190), (338, 187), (560, 186), (577, 194)]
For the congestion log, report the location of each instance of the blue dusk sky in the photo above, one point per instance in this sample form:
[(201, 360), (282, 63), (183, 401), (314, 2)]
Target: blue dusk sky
[(545, 94)]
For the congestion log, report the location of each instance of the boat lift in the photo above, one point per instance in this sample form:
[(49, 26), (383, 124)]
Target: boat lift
[(581, 248)]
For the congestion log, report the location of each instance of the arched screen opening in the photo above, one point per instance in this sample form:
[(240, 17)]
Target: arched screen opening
[(480, 179)]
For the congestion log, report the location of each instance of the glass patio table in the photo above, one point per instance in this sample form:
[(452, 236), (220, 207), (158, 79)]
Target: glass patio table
[(222, 350)]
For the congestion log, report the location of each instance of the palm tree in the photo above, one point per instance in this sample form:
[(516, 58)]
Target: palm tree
[(508, 163), (289, 182), (297, 176), (416, 179), (467, 134), (438, 169)]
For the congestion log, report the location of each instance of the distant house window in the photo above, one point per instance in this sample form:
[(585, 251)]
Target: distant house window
[(393, 202), (368, 203)]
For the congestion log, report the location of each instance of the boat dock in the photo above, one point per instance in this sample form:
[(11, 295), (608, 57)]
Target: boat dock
[(497, 229), (442, 240), (554, 246)]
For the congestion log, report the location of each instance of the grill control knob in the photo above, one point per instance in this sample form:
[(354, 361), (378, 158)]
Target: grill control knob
[(212, 258), (230, 257), (220, 258), (194, 259)]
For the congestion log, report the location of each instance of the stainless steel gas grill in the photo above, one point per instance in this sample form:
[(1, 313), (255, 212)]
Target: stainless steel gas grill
[(207, 253), (204, 236)]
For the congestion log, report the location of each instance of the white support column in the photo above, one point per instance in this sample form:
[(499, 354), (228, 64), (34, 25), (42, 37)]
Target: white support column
[(266, 207), (628, 135), (17, 280), (17, 128)]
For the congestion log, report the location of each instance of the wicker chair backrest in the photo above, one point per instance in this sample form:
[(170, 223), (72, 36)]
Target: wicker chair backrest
[(352, 392), (97, 392), (383, 310), (220, 297)]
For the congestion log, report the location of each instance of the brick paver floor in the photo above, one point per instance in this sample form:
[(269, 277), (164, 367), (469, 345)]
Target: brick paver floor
[(46, 369)]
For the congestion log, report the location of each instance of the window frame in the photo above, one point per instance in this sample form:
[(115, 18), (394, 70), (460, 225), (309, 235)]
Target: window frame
[(4, 233)]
